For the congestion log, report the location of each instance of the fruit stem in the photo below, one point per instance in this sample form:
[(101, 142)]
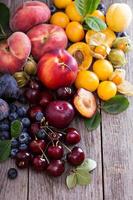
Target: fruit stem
[(63, 64), (65, 147), (44, 154)]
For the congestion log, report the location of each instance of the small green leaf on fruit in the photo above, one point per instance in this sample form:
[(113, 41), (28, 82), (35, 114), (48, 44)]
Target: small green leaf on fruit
[(116, 105), (85, 7), (88, 165), (16, 128), (83, 177), (92, 123), (71, 180), (4, 15), (5, 149), (95, 23)]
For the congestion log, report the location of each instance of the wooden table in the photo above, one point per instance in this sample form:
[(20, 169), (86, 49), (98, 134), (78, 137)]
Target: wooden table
[(111, 145)]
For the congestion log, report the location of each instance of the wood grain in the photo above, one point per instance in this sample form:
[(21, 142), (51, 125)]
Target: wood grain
[(117, 141)]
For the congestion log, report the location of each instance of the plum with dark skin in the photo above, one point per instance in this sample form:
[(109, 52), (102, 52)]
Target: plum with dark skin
[(31, 95), (59, 114), (65, 93)]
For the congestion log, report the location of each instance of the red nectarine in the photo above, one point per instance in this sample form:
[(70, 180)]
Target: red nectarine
[(57, 69)]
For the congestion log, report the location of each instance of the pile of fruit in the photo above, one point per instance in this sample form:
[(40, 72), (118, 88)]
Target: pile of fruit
[(55, 65)]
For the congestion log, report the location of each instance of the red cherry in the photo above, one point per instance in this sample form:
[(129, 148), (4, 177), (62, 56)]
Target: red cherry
[(72, 136), (37, 146), (65, 93), (45, 98), (31, 95), (39, 163), (55, 152), (32, 111), (22, 159), (34, 85), (56, 168), (34, 128), (76, 156)]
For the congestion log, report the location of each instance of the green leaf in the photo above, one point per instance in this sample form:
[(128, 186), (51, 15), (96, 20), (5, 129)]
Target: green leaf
[(85, 7), (83, 177), (116, 105), (92, 123), (71, 180), (95, 23), (5, 149), (88, 165), (16, 128), (4, 15)]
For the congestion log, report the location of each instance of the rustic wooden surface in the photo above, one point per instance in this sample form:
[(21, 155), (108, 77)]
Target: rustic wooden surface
[(111, 145)]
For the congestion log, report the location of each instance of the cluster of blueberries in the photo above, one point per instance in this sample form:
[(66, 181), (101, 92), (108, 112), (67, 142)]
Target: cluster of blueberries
[(21, 143)]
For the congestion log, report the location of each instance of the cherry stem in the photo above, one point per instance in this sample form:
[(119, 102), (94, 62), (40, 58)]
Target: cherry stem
[(44, 154), (65, 147)]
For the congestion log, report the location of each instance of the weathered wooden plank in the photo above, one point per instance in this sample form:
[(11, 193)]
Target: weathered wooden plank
[(117, 140)]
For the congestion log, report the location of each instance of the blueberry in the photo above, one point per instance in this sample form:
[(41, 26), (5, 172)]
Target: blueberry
[(39, 116), (101, 7), (41, 134), (12, 173), (13, 108), (22, 111), (53, 9), (23, 146), (4, 135), (24, 138), (4, 127), (9, 87), (26, 122), (4, 109), (121, 34), (14, 143), (14, 152), (13, 116)]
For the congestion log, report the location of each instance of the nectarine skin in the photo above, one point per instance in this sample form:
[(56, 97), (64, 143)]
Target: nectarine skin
[(46, 37), (30, 14), (57, 69), (14, 52)]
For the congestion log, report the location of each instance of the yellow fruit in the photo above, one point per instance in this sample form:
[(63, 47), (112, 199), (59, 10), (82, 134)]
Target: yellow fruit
[(60, 19), (72, 12), (101, 50), (80, 51), (118, 17), (75, 32), (98, 14), (103, 69), (110, 36), (106, 90), (62, 3), (87, 80), (88, 35)]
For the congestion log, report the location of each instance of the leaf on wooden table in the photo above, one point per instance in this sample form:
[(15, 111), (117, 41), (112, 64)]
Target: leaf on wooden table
[(71, 180), (5, 149), (116, 105), (93, 123)]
